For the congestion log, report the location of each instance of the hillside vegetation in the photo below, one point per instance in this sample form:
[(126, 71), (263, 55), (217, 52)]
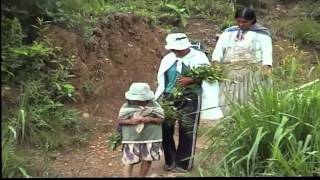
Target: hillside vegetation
[(277, 134)]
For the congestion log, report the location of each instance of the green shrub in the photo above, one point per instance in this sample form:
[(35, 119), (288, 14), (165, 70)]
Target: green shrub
[(306, 31), (276, 133), (40, 120), (292, 67), (12, 163), (11, 33)]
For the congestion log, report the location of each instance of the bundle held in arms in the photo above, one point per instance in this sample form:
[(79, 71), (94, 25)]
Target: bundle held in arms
[(209, 73), (170, 111)]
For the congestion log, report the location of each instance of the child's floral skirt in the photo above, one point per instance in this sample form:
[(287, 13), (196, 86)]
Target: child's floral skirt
[(133, 153)]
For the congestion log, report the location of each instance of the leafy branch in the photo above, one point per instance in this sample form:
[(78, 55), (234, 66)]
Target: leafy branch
[(114, 140), (211, 74), (181, 12)]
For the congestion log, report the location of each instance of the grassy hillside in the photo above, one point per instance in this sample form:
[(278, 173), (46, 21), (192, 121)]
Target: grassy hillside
[(37, 93)]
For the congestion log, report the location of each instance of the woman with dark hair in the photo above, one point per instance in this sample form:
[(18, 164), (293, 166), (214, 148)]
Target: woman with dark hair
[(246, 51)]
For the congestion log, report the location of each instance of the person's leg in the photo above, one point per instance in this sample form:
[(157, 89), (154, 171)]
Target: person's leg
[(188, 128), (128, 170), (144, 168), (129, 158), (168, 144)]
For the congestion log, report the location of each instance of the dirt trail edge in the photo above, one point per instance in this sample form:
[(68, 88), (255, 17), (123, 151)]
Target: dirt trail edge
[(124, 49)]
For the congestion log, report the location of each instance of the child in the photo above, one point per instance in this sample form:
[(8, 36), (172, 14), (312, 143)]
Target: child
[(140, 119)]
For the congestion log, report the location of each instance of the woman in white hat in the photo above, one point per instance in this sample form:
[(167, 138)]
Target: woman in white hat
[(140, 121), (181, 58)]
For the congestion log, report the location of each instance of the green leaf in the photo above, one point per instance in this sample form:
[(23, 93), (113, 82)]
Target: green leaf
[(172, 6), (13, 131), (68, 87), (181, 10), (24, 172)]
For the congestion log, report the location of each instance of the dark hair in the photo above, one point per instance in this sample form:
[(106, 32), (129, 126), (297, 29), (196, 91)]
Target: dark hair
[(247, 14)]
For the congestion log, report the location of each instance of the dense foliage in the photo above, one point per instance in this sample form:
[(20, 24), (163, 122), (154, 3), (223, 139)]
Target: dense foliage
[(35, 76), (274, 135)]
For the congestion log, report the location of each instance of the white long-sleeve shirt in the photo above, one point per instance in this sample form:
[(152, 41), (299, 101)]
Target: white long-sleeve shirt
[(262, 43), (193, 59), (210, 93)]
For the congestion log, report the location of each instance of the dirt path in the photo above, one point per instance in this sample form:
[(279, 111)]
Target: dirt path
[(96, 159)]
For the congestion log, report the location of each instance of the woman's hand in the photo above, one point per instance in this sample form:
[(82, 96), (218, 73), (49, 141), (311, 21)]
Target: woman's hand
[(266, 70), (185, 81), (215, 62)]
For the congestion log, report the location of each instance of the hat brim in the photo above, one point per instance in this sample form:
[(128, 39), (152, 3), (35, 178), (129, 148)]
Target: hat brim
[(175, 47), (139, 97)]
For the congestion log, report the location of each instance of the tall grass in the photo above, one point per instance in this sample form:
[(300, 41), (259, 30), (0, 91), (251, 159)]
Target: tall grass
[(294, 66), (274, 134), (12, 162)]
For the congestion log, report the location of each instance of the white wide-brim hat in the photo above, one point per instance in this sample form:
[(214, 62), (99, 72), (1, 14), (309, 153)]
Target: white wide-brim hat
[(177, 41), (139, 92)]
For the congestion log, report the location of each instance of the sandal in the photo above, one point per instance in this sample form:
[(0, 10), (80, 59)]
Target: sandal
[(169, 168), (179, 170)]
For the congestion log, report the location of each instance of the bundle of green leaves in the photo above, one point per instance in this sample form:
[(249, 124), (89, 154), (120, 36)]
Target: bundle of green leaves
[(114, 140), (210, 73), (170, 111)]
